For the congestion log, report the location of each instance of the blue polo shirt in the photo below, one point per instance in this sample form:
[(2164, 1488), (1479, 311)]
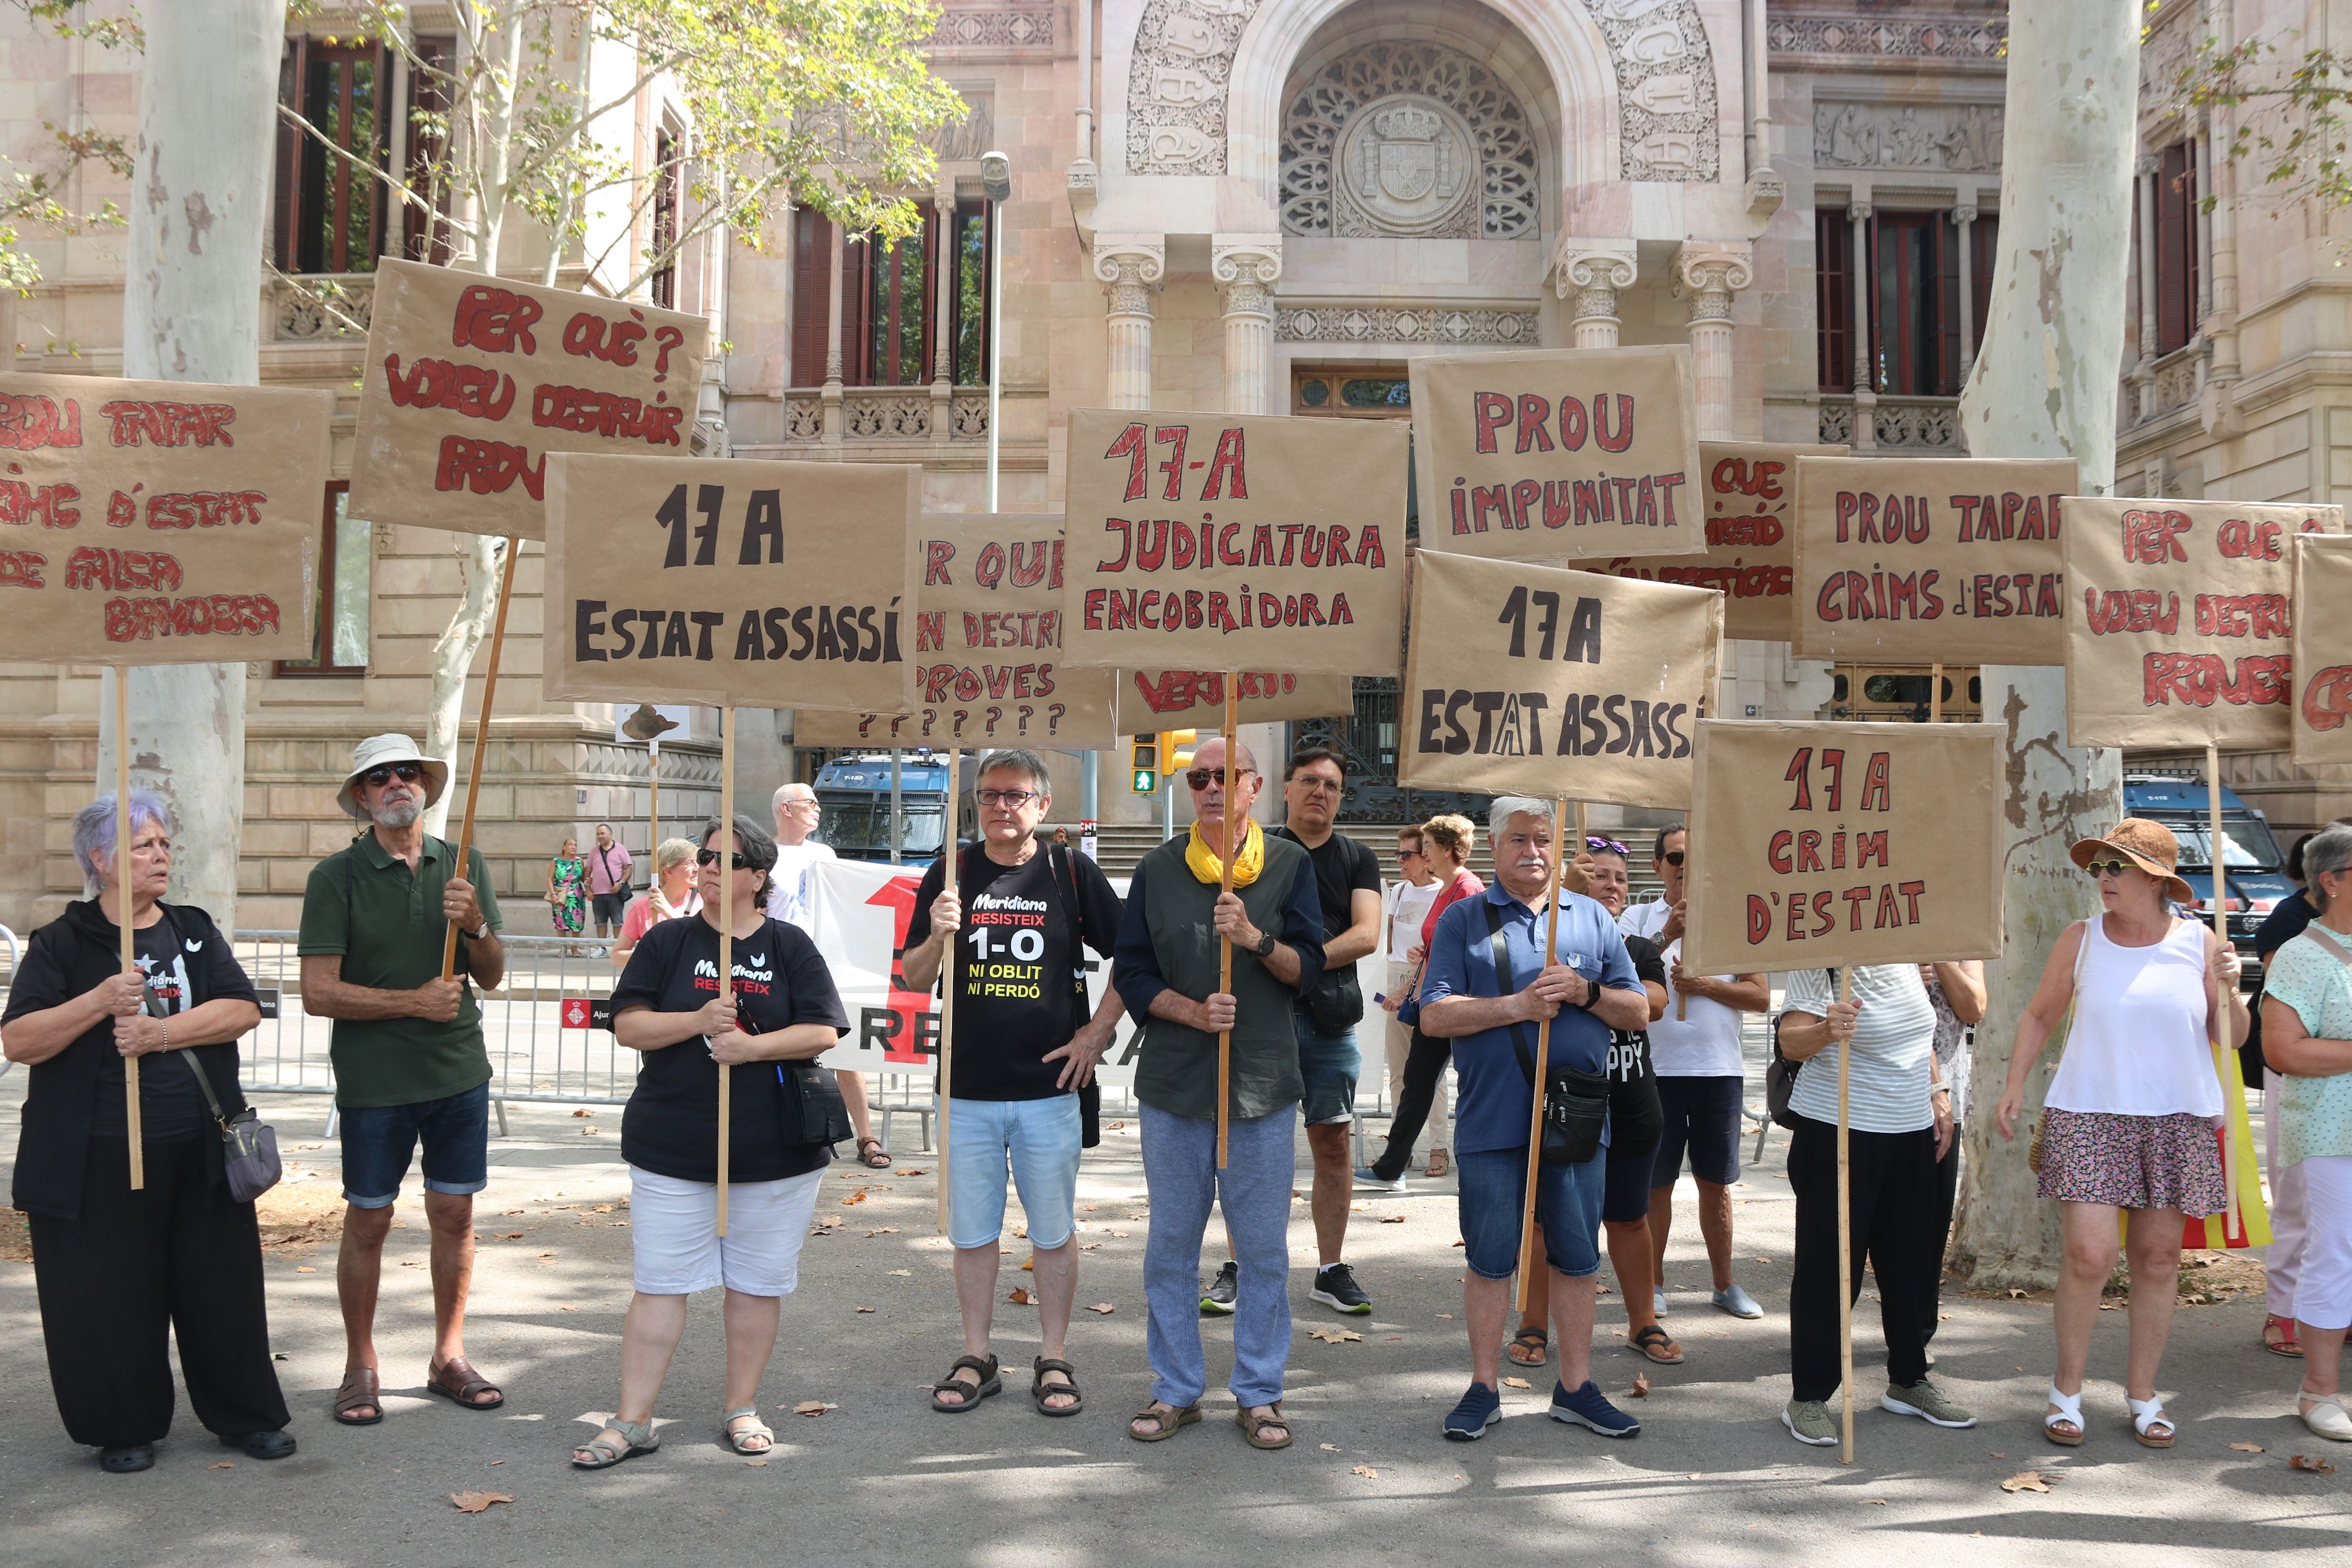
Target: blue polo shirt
[(1496, 1102)]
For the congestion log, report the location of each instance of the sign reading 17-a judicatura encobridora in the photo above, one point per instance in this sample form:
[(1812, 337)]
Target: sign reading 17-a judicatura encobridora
[(1234, 541)]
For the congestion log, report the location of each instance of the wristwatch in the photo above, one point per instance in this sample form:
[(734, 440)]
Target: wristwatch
[(1265, 948), (479, 935)]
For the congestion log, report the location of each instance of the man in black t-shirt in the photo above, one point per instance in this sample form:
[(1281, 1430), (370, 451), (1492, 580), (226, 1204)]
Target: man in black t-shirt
[(1025, 1045), (1348, 884)]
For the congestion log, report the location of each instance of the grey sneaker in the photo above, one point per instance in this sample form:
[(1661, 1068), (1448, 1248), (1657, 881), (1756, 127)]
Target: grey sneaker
[(1928, 1402), (1657, 1300), (1810, 1421), (1737, 1301), (1217, 1301)]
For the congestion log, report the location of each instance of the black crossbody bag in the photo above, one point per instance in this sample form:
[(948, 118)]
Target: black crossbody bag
[(1575, 1102), (248, 1145), (1065, 878)]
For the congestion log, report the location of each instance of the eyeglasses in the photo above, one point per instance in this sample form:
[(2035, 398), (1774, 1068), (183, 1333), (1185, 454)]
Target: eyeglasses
[(2116, 867), (1413, 854), (711, 857), (1591, 842), (1202, 778), (808, 804), (1313, 786), (1672, 857), (1016, 798), (406, 772)]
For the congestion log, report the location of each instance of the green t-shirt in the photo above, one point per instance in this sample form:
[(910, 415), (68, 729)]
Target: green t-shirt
[(384, 921), (2314, 1114)]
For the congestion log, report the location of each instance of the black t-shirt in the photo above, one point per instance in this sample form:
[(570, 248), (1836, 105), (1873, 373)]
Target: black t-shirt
[(1341, 866), (170, 1103), (1021, 966), (671, 1125), (1637, 1121)]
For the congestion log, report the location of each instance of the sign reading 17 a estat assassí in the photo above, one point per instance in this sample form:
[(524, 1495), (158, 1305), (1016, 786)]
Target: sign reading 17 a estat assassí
[(734, 583), (1234, 541)]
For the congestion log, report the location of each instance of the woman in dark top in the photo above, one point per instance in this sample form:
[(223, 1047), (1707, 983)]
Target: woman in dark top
[(119, 1272), (784, 1011), (1636, 1122)]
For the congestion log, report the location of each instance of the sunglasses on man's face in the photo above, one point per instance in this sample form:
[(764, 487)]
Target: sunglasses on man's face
[(1672, 857), (711, 857), (406, 772), (2109, 868), (1202, 778)]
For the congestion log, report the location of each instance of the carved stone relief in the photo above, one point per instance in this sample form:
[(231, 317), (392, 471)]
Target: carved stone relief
[(1379, 324), (1176, 87), (1891, 37), (968, 138), (1411, 140), (1956, 138), (1665, 89), (994, 27)]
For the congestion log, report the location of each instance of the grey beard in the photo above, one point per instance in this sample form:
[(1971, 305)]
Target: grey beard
[(397, 813)]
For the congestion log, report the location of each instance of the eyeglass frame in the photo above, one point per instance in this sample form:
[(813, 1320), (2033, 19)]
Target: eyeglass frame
[(705, 858), (406, 772), (1016, 798), (1198, 779)]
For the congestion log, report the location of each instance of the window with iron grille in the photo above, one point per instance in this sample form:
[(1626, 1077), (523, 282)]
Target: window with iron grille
[(346, 562), (328, 211)]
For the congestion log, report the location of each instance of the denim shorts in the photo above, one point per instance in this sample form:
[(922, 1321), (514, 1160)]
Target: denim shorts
[(1038, 1139), (1494, 1183), (1329, 1065), (379, 1140), (610, 908)]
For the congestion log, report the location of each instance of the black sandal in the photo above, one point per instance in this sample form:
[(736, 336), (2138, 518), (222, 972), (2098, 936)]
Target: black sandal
[(1654, 1343), (1040, 1390), (1530, 1339), (879, 1159), (989, 1382)]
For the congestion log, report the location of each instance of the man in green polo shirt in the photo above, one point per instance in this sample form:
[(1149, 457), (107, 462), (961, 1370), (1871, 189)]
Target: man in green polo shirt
[(410, 1066)]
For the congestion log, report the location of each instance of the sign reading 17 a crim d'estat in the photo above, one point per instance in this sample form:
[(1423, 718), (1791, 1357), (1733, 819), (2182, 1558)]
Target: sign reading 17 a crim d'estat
[(1233, 541)]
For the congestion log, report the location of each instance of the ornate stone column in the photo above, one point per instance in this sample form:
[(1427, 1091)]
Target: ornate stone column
[(1708, 272), (1589, 273), (1129, 267), (943, 267), (1964, 222), (832, 405), (2147, 170), (1865, 385), (1245, 267)]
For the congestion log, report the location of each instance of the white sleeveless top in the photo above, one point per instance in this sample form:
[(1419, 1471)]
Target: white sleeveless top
[(2139, 1044)]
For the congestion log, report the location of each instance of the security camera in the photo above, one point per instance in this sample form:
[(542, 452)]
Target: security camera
[(996, 175)]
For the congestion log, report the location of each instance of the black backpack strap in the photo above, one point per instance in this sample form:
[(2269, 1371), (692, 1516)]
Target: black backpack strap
[(1502, 955)]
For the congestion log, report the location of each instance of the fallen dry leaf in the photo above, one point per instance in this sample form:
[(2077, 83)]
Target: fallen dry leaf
[(915, 1171), (2247, 1447), (1878, 1500), (753, 1464), (2026, 1481), (2317, 1467), (1999, 1455), (1694, 1475), (1028, 1265), (223, 1465), (579, 1113), (2016, 1295), (585, 1133), (1763, 1260), (498, 1461), (1641, 1386), (1458, 1241), (1019, 1296), (857, 1197), (511, 1212), (1368, 1471), (1516, 1382), (601, 1208), (1119, 1126), (902, 1271), (567, 1309), (1328, 1448), (1105, 1308), (1391, 1219), (1332, 1336), (305, 1268), (885, 1230), (1447, 1316), (471, 1501), (864, 1309), (813, 1407), (510, 1235)]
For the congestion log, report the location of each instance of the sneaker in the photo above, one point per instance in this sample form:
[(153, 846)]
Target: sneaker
[(1737, 1301), (1335, 1287), (1217, 1301), (1587, 1407), (1657, 1300), (1810, 1421), (1467, 1422), (1928, 1402), (1370, 1181)]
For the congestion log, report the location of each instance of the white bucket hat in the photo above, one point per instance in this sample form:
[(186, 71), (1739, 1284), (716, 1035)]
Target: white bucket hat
[(374, 752)]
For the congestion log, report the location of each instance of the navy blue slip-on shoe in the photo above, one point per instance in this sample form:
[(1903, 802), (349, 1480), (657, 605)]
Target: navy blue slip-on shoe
[(1586, 1407), (1480, 1408)]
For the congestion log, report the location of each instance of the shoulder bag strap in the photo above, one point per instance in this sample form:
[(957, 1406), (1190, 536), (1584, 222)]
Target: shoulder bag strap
[(2327, 939), (1501, 949)]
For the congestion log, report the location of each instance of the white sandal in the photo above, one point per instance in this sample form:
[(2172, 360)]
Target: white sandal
[(738, 1436), (2069, 1410), (2148, 1413)]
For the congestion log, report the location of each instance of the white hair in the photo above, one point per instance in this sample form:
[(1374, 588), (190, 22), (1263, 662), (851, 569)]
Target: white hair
[(2330, 851), (1506, 806), (788, 792)]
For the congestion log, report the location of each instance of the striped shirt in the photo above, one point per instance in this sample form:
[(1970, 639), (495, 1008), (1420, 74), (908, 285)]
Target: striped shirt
[(1894, 1037)]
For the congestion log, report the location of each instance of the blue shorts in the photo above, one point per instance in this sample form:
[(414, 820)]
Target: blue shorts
[(1702, 1115), (1494, 1183), (379, 1140), (1039, 1138), (1328, 1064)]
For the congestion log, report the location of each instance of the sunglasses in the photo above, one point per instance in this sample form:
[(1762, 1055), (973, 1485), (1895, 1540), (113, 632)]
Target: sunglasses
[(711, 857), (1413, 854), (1672, 857), (1591, 842), (1202, 778), (1016, 798), (2109, 868), (406, 772)]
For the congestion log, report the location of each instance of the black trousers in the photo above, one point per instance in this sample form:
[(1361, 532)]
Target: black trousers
[(1892, 1183), (178, 1256), (1947, 1192), (1425, 1068)]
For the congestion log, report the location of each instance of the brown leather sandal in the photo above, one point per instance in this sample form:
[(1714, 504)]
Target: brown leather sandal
[(456, 1381), (361, 1391), (872, 1155), (1254, 1428), (1166, 1419)]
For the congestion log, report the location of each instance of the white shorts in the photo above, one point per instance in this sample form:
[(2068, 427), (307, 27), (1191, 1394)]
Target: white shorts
[(680, 1251)]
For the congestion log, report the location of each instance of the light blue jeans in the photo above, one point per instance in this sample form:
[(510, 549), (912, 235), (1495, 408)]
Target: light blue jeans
[(1179, 1168), (1039, 1138)]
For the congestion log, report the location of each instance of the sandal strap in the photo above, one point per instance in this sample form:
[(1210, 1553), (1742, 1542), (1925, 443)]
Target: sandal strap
[(738, 1414), (2070, 1408), (640, 1434), (1532, 1336), (2148, 1413), (1044, 1365)]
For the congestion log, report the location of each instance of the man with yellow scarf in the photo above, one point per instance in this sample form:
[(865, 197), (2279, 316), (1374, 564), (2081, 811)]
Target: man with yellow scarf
[(1166, 973)]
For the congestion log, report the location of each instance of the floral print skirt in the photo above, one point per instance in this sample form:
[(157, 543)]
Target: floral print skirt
[(2133, 1162)]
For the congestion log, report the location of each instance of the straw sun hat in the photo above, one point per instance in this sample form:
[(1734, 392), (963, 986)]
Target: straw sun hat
[(2149, 845), (374, 752)]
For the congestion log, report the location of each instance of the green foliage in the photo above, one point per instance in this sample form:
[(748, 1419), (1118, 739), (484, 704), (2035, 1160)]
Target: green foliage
[(35, 197), (2288, 115)]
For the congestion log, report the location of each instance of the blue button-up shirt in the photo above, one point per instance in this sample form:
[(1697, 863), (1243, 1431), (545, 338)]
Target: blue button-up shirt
[(1496, 1102)]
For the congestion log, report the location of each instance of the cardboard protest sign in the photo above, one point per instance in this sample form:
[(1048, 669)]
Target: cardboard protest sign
[(1235, 541), (1750, 490), (159, 521), (2179, 617), (735, 584), (471, 382), (1818, 845), (2321, 713), (1557, 453), (988, 640), (1539, 680), (1913, 561), (1151, 701)]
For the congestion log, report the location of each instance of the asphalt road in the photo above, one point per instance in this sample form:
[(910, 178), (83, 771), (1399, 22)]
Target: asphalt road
[(882, 1479)]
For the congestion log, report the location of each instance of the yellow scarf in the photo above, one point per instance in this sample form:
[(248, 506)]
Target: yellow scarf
[(1205, 865)]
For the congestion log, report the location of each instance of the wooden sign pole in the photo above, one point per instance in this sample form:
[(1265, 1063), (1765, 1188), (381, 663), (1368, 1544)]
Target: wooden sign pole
[(948, 977), (130, 1120), (1936, 694), (481, 745), (726, 847), (1846, 1235), (2219, 905), (1707, 692), (1527, 1231), (1225, 943)]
